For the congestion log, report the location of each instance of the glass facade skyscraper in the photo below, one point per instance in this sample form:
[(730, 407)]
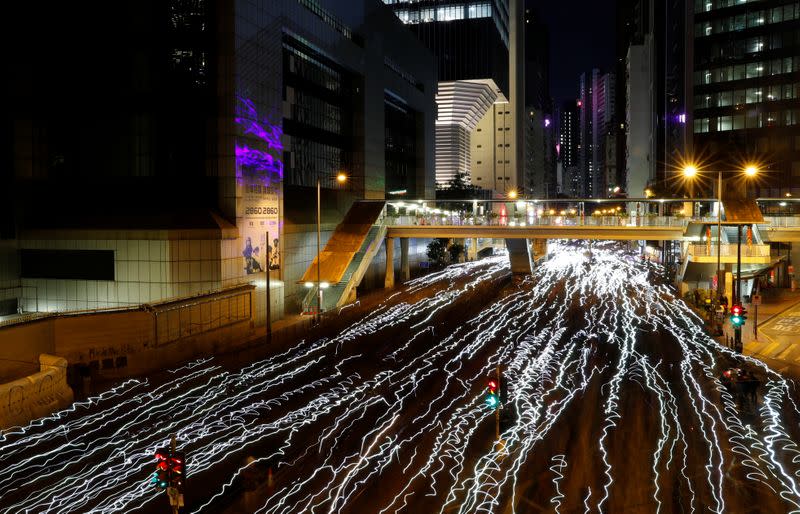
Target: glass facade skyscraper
[(747, 88)]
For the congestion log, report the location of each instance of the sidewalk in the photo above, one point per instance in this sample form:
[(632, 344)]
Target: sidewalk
[(778, 332)]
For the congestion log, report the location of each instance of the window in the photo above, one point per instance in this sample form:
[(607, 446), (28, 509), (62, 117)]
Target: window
[(754, 69), (753, 95), (68, 264), (724, 123), (482, 10), (700, 125), (725, 98), (773, 93), (738, 122), (450, 13), (753, 119)]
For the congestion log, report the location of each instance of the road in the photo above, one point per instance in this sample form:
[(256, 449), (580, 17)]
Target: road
[(614, 405)]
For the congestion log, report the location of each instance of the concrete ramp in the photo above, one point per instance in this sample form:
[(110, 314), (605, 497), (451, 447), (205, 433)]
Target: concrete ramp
[(519, 256), (346, 241), (744, 212)]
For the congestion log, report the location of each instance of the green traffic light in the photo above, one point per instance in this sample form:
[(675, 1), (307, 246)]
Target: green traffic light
[(491, 400)]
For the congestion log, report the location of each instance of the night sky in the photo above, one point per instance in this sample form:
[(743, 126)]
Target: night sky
[(582, 37)]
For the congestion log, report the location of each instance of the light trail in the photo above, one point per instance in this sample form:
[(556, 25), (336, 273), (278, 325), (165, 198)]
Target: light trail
[(611, 381)]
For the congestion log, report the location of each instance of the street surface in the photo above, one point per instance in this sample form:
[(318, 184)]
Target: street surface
[(614, 405)]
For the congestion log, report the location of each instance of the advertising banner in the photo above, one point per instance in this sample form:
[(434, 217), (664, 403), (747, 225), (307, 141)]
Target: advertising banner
[(261, 227)]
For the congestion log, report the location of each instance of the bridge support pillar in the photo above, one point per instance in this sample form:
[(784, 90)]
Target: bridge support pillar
[(405, 269), (472, 249), (389, 280), (519, 256), (539, 248)]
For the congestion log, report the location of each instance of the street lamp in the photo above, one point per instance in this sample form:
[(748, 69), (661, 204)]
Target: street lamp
[(512, 194), (690, 171), (341, 178)]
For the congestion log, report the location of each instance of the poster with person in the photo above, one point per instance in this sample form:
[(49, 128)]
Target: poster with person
[(261, 227)]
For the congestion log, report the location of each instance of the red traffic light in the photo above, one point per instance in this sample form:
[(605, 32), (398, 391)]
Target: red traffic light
[(736, 310), (492, 385)]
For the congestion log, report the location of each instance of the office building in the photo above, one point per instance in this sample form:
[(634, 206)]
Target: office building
[(746, 97), (653, 54), (181, 155), (596, 118), (475, 43), (540, 124), (567, 148)]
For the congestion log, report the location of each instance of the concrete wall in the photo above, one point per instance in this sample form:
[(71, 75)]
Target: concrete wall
[(35, 395), (145, 271), (9, 275), (20, 347), (136, 341)]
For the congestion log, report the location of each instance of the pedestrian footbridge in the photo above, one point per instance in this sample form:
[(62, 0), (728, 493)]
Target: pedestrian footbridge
[(695, 225)]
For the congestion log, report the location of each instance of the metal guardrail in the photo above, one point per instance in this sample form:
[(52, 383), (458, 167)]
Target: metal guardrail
[(173, 322), (729, 250), (455, 219), (782, 222)]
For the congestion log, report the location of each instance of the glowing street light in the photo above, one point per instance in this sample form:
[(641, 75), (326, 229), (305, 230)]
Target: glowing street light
[(690, 171), (341, 178)]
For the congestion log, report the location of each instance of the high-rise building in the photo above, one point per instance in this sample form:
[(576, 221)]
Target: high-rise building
[(474, 43), (176, 154), (653, 56), (568, 130), (540, 126), (596, 118), (746, 98)]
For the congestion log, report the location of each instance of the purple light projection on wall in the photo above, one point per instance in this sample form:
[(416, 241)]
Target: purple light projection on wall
[(264, 161), (547, 122)]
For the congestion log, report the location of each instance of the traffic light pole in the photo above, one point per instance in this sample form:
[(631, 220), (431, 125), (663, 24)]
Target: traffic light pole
[(737, 330), (497, 411), (173, 447)]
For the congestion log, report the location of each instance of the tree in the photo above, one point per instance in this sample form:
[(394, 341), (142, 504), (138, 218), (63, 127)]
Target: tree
[(437, 252), (456, 250), (458, 188)]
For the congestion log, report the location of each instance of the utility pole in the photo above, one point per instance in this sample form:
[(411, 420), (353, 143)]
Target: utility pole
[(497, 411), (737, 331), (266, 271), (172, 493)]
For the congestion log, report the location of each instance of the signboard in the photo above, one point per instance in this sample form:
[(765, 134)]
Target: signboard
[(260, 227), (756, 299)]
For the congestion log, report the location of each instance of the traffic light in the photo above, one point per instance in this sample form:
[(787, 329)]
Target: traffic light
[(177, 470), (160, 478), (492, 398), (738, 315)]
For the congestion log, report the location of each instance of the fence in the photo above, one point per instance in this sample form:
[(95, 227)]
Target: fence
[(181, 320), (458, 219), (729, 250)]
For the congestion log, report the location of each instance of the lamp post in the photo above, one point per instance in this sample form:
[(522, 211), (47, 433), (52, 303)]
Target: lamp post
[(341, 178), (690, 172)]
